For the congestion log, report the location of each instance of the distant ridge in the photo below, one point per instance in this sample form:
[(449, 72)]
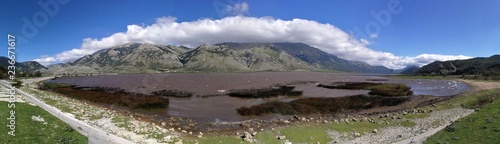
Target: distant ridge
[(223, 57), (489, 66)]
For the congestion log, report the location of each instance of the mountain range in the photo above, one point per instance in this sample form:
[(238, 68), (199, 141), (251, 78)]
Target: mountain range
[(24, 68), (223, 57), (489, 66)]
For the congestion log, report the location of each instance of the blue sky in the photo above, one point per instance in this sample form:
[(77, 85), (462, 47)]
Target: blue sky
[(420, 32)]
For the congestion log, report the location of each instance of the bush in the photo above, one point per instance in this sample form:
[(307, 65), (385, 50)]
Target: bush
[(17, 83), (451, 128)]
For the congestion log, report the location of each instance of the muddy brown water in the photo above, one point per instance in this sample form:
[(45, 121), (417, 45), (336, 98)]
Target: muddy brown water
[(223, 108)]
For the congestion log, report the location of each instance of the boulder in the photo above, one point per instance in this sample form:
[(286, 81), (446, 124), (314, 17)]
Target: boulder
[(356, 134), (282, 137)]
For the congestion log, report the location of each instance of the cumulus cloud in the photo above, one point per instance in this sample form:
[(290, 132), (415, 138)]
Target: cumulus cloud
[(326, 37), (237, 9)]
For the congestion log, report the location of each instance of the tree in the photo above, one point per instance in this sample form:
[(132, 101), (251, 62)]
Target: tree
[(17, 83), (38, 74)]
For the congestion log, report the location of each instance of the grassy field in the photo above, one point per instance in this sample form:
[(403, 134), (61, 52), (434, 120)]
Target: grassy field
[(483, 126), (51, 131)]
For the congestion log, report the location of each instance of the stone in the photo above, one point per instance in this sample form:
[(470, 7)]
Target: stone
[(374, 131), (247, 137), (357, 134), (354, 120), (287, 142), (282, 137), (254, 133)]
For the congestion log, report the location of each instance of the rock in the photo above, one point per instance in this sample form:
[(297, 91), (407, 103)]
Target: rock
[(247, 137), (167, 138), (357, 134), (254, 133), (287, 142), (200, 135), (250, 129), (282, 137), (374, 131), (179, 142), (325, 121)]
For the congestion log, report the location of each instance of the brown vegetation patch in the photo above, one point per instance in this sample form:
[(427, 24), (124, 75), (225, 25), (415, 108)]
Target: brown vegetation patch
[(111, 96), (281, 90), (321, 105), (173, 93), (381, 89)]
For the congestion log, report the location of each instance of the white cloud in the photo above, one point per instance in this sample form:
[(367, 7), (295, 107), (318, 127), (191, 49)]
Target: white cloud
[(237, 9), (326, 37)]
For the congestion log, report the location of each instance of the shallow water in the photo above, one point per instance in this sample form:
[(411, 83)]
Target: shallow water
[(223, 108)]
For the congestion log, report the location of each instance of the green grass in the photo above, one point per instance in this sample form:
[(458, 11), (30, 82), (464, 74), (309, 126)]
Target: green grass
[(122, 121), (472, 100), (482, 126), (29, 131)]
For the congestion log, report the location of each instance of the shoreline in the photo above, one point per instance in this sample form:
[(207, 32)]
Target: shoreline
[(257, 124)]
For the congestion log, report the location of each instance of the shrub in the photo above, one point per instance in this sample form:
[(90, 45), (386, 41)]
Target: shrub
[(17, 83)]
